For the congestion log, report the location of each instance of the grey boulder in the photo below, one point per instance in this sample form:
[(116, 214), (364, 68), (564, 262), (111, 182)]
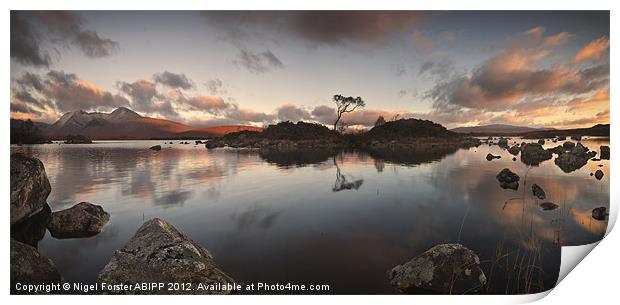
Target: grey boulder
[(508, 179), (445, 268), (82, 220), (29, 187), (158, 253), (30, 267)]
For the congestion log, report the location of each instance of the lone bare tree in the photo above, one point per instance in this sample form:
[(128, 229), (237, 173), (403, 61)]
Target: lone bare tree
[(346, 104)]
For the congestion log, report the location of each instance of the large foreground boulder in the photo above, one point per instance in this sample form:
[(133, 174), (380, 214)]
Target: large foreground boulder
[(445, 269), (82, 220), (158, 253), (29, 187), (508, 179), (30, 267)]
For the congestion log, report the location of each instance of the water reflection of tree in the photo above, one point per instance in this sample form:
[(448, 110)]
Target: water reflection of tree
[(344, 181)]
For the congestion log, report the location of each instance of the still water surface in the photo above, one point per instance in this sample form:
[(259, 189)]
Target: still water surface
[(320, 218)]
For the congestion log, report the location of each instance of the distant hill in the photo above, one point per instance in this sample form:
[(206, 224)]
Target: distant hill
[(601, 130), (124, 123), (497, 129)]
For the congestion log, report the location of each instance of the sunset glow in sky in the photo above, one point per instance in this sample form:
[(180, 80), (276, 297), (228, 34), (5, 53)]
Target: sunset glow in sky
[(212, 68)]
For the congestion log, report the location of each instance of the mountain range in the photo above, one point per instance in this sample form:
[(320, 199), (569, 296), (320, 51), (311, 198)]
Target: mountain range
[(124, 123), (498, 129)]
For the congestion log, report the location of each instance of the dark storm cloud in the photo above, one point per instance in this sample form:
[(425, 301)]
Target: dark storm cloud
[(25, 45), (258, 62), (335, 28), (173, 80), (31, 29), (94, 45)]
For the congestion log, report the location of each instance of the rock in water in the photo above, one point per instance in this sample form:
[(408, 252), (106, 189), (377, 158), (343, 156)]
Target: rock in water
[(29, 187), (576, 138), (598, 174), (503, 143), (514, 150), (541, 141), (575, 158), (156, 147), (82, 220), (600, 213), (30, 267), (568, 145), (538, 191), (445, 268), (158, 253), (32, 230), (605, 152), (548, 206), (508, 179), (534, 154), (491, 157)]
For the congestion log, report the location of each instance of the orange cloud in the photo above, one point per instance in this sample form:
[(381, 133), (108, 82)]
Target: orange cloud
[(556, 39), (600, 99), (594, 49)]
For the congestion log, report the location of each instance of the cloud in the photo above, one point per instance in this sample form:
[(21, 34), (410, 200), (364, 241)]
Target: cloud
[(248, 115), (536, 32), (556, 39), (25, 43), (211, 104), (598, 100), (439, 67), (290, 112), (593, 50), (330, 28), (173, 80), (215, 87), (94, 45), (507, 78), (60, 91), (324, 114), (146, 98), (31, 29), (258, 62)]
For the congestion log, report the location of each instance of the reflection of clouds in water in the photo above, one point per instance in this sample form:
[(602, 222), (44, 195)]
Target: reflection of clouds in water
[(176, 197), (255, 216)]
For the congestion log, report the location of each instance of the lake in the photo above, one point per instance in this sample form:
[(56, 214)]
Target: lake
[(341, 219)]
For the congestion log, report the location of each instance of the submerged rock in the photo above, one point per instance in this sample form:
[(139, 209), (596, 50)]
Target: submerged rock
[(598, 174), (600, 213), (82, 220), (548, 206), (156, 147), (534, 154), (158, 253), (604, 152), (508, 179), (30, 267), (538, 191), (576, 138), (29, 187), (445, 268), (514, 150), (491, 157)]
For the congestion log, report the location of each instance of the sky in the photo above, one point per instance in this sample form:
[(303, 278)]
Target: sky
[(207, 68)]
